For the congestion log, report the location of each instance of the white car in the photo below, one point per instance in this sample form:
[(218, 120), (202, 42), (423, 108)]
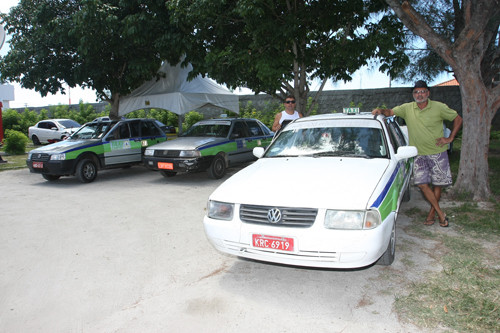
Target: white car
[(325, 193), (52, 130)]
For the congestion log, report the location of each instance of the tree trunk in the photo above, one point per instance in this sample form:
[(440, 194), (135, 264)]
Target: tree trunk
[(115, 103), (477, 113)]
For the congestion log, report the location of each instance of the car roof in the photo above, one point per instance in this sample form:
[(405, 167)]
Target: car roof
[(331, 116)]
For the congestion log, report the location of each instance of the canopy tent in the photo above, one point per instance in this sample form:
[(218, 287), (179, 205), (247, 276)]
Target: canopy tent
[(173, 92)]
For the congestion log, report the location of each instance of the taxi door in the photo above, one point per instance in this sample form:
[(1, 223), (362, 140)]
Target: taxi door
[(124, 144)]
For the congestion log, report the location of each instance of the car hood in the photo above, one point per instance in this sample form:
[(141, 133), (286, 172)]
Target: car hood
[(65, 145), (188, 143), (326, 182)]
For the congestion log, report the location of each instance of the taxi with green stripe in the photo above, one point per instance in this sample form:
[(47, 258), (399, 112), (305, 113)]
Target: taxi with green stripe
[(209, 145), (325, 193), (96, 145)]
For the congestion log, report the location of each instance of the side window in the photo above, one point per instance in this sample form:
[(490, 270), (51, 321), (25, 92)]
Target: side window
[(254, 128), (120, 132), (134, 129), (239, 130), (42, 124), (50, 125), (149, 129), (395, 134)]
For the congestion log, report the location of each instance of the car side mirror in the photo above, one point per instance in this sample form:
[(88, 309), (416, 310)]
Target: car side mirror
[(54, 128), (405, 152), (258, 152)]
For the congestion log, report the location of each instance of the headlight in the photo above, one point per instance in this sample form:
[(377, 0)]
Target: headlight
[(189, 153), (29, 155), (58, 157), (352, 220), (220, 210), (149, 152)]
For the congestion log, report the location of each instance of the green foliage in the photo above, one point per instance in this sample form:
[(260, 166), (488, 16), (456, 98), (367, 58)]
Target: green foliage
[(190, 119), (166, 117), (266, 115), (21, 121), (15, 142), (244, 43), (108, 45)]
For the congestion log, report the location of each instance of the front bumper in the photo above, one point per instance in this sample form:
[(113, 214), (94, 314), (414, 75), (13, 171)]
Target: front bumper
[(56, 168), (179, 164), (313, 247)]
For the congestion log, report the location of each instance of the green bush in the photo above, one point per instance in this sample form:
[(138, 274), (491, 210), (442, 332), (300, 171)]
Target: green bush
[(191, 118), (15, 142)]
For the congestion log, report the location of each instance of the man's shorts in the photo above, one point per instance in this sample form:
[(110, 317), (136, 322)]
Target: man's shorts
[(432, 169)]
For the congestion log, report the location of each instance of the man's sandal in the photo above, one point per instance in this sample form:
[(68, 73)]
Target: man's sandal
[(445, 223), (429, 222)]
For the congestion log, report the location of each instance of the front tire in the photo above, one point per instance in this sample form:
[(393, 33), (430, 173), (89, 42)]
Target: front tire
[(217, 168), (86, 170), (389, 254)]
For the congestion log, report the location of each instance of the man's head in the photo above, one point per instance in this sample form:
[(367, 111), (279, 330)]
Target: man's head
[(420, 92), (290, 103)]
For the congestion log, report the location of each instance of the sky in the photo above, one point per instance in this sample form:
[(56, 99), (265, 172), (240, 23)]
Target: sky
[(365, 78)]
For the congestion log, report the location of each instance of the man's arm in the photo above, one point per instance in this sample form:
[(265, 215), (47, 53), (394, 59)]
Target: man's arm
[(385, 112), (276, 124), (457, 123)]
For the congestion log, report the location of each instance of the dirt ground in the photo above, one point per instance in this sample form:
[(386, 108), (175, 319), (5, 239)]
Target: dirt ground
[(127, 253)]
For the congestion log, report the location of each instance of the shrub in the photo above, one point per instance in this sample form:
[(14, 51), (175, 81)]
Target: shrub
[(191, 118), (15, 142)]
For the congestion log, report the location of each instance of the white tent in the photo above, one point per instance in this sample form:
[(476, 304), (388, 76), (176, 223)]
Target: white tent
[(175, 93)]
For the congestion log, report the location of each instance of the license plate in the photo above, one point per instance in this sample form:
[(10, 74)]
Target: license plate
[(37, 165), (165, 166), (273, 242)]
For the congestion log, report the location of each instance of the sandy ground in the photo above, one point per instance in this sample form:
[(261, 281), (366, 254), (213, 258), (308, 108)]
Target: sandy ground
[(128, 253)]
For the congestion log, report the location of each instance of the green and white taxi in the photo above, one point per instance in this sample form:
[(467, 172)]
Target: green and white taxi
[(325, 193), (96, 145), (211, 145)]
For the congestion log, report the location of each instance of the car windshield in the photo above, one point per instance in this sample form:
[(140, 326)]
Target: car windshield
[(364, 142), (91, 131), (68, 123), (220, 130)]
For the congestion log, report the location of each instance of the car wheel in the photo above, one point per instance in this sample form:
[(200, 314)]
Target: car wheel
[(388, 256), (35, 140), (218, 167), (86, 170), (407, 195), (168, 173), (50, 177)]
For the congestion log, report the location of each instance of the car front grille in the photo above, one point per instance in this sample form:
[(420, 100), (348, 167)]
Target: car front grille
[(39, 157), (167, 153), (289, 217)]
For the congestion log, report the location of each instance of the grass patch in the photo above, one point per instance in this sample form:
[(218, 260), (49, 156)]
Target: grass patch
[(15, 161), (464, 296)]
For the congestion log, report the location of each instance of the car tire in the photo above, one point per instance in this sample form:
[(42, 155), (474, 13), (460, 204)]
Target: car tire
[(35, 140), (389, 254), (86, 170), (217, 168), (407, 194), (50, 178), (168, 173)]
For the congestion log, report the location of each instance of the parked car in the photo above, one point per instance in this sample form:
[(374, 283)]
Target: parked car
[(96, 145), (165, 128), (211, 145), (325, 193), (52, 130)]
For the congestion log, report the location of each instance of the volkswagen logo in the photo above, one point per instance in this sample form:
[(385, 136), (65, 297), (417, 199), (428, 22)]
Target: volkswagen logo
[(274, 215)]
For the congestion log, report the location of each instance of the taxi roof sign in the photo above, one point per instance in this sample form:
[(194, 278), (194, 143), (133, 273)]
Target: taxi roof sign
[(351, 110)]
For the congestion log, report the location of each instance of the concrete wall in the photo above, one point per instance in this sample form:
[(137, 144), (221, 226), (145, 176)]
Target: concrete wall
[(368, 99)]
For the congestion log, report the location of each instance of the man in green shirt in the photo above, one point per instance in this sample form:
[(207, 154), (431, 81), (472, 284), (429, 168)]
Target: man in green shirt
[(424, 119)]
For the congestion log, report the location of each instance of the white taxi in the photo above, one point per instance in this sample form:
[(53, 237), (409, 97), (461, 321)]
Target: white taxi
[(325, 193)]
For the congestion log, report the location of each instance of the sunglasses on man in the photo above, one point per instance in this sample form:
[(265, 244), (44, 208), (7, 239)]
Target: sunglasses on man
[(289, 102)]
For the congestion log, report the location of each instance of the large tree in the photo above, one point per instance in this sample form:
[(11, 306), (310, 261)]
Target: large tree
[(111, 46), (473, 53), (280, 46)]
